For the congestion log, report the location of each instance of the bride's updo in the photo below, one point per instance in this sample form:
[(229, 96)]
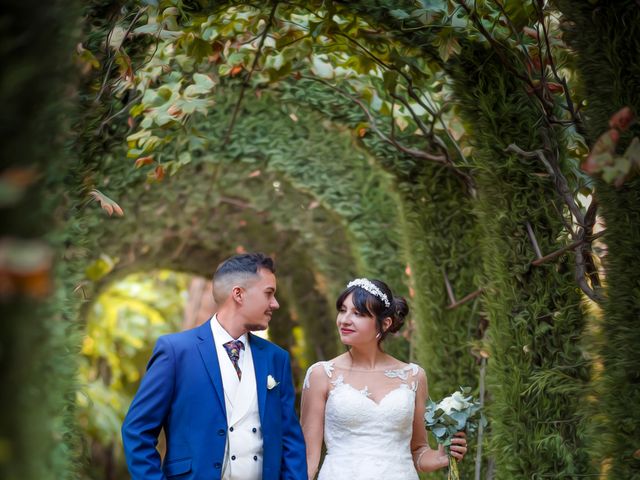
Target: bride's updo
[(375, 298)]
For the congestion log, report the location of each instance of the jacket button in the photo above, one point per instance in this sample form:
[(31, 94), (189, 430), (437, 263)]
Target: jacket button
[(231, 429), (233, 457), (255, 457), (218, 465), (254, 429), (221, 432)]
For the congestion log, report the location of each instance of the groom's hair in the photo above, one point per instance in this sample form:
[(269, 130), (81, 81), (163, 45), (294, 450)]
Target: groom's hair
[(239, 270)]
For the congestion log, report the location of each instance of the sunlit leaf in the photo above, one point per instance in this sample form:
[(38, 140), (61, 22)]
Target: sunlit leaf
[(106, 203)]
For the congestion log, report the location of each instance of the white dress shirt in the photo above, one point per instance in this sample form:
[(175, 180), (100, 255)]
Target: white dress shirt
[(244, 449), (230, 383)]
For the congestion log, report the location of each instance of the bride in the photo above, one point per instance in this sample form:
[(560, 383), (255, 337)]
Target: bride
[(366, 405)]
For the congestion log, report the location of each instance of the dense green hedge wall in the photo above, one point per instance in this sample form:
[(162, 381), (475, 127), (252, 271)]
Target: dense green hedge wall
[(605, 37), (537, 371), (37, 337)]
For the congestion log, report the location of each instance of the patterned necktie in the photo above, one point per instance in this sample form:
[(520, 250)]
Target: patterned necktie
[(233, 350)]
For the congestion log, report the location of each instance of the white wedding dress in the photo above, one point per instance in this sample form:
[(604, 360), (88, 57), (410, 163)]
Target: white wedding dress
[(368, 423)]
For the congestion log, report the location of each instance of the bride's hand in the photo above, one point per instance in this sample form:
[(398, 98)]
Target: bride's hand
[(458, 446), (458, 449)]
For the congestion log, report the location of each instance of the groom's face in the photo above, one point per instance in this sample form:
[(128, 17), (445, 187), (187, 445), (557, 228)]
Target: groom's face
[(259, 301)]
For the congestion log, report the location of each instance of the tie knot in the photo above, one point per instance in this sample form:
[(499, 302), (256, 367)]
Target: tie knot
[(233, 349)]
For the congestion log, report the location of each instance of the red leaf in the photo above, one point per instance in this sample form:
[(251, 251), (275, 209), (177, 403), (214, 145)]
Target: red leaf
[(159, 173), (235, 70), (621, 119), (174, 111), (106, 203), (255, 173), (555, 87), (20, 177), (602, 152), (144, 161), (362, 132)]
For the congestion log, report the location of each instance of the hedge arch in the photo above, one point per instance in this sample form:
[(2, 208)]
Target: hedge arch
[(194, 234), (540, 309), (436, 226)]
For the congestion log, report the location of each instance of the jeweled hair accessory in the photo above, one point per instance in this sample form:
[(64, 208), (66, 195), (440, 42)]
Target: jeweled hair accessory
[(371, 288)]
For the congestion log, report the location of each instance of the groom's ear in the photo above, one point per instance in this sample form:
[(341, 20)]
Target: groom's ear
[(237, 294)]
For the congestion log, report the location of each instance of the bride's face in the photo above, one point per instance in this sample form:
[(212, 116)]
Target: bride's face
[(355, 327)]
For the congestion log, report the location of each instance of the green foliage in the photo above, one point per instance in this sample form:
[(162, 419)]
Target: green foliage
[(605, 37), (537, 372), (301, 172), (37, 336)]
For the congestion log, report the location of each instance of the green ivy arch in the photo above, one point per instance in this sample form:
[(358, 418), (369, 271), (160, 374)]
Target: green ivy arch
[(494, 217)]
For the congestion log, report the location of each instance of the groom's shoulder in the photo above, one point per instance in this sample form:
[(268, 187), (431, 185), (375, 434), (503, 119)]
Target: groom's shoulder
[(267, 345), (181, 338)]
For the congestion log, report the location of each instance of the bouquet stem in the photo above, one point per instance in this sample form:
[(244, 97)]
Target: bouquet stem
[(453, 469)]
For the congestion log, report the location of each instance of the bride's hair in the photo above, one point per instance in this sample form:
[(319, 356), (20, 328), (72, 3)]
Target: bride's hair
[(375, 306)]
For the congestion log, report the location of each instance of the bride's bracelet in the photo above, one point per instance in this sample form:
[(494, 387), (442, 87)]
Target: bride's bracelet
[(417, 461)]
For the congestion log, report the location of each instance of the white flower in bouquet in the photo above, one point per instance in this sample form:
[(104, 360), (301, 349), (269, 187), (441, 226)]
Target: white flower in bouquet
[(458, 412), (456, 402)]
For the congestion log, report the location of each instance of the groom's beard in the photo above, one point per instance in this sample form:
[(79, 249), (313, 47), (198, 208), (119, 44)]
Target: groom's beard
[(254, 327)]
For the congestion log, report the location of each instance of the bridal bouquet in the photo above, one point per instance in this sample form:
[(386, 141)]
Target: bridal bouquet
[(455, 413)]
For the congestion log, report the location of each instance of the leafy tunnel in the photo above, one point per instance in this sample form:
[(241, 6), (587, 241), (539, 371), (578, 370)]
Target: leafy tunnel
[(437, 146)]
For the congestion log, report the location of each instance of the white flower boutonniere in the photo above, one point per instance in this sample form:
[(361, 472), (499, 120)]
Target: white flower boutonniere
[(271, 382)]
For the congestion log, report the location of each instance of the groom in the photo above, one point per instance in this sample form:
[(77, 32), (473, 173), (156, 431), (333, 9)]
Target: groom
[(223, 396)]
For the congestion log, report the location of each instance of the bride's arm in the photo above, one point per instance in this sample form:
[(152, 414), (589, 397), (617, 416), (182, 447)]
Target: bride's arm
[(314, 398), (424, 457)]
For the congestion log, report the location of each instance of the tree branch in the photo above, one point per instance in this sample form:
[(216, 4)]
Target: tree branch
[(539, 261), (110, 65), (374, 126), (575, 117), (583, 257), (560, 181)]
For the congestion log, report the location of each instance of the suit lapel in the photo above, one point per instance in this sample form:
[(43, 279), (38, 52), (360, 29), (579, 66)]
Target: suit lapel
[(210, 358), (260, 366)]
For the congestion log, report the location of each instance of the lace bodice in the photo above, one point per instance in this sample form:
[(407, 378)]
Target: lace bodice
[(368, 423)]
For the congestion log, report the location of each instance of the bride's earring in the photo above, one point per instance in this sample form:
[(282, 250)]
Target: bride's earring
[(378, 335)]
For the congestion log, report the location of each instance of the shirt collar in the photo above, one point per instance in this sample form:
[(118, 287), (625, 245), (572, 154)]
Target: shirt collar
[(221, 336)]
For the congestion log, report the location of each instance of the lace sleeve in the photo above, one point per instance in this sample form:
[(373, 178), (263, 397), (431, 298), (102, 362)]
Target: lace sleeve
[(326, 366)]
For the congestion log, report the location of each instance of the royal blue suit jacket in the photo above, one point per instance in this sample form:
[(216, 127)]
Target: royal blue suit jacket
[(182, 393)]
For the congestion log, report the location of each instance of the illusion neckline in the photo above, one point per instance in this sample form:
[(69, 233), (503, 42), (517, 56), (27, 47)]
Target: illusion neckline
[(408, 366)]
